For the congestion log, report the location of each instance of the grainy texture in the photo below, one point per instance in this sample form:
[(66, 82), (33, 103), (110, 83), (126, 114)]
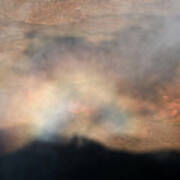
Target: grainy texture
[(104, 69)]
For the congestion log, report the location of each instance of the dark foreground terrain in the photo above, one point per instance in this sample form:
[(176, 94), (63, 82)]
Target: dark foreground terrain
[(86, 160), (106, 70)]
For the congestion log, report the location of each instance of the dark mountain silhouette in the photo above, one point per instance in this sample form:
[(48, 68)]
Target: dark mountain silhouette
[(88, 160)]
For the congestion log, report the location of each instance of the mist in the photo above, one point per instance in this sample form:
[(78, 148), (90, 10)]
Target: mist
[(103, 73)]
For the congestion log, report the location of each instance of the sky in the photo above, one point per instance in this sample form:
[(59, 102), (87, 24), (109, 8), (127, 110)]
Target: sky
[(109, 71)]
